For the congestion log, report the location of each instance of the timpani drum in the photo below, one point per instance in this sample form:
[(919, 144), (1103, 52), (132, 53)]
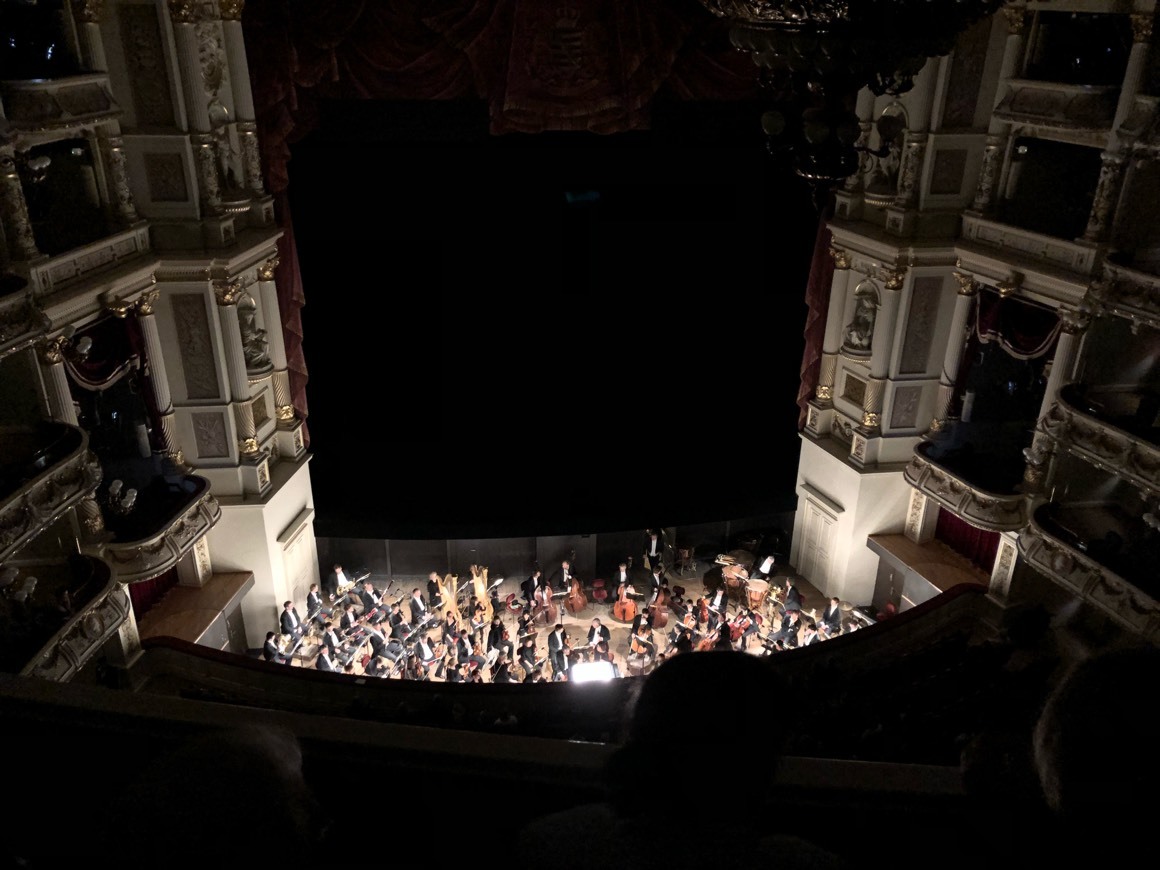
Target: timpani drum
[(757, 591)]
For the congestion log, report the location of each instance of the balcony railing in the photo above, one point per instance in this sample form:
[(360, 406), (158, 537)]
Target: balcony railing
[(48, 275), (83, 635), (997, 511), (1130, 291), (46, 474), (1094, 425), (1052, 550), (1048, 250), (163, 534), (59, 103), (1054, 104)]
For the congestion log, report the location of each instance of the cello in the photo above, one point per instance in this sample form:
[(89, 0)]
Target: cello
[(576, 600), (625, 608), (545, 605), (658, 614)]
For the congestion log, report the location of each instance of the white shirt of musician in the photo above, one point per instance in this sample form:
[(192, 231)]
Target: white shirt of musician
[(652, 546), (718, 598), (767, 565), (293, 618), (340, 578), (623, 578), (333, 637), (425, 651), (416, 601)]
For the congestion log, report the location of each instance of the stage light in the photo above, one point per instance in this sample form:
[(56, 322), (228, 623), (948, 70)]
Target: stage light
[(591, 672)]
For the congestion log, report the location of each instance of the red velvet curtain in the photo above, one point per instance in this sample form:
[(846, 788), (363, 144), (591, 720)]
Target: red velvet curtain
[(1023, 329), (818, 301), (146, 593), (977, 545)]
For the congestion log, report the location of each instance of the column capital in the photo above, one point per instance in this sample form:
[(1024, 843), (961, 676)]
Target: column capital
[(88, 11), (1074, 322), (231, 10), (841, 258), (50, 351), (119, 308), (227, 292), (1016, 18), (1141, 26), (183, 11), (1009, 285), (146, 301), (893, 278), (968, 286), (266, 270)]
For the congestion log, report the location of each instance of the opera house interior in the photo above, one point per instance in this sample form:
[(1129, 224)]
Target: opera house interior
[(922, 646)]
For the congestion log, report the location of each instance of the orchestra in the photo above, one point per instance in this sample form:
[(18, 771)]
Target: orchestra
[(457, 636)]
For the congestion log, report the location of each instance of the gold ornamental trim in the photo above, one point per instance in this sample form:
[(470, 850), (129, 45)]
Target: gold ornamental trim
[(227, 292), (231, 10), (842, 259), (119, 308), (1010, 285), (146, 301), (183, 11), (870, 419), (88, 11), (1141, 26), (249, 446), (968, 286), (285, 413), (893, 279), (1016, 19), (50, 351), (266, 270), (825, 393)]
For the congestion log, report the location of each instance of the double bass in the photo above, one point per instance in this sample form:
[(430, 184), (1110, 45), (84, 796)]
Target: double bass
[(576, 600), (545, 605), (658, 614), (625, 608)]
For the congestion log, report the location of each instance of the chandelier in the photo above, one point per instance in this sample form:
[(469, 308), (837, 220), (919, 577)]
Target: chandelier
[(815, 56)]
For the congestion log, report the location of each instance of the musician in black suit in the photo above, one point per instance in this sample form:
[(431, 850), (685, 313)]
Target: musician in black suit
[(434, 593), (529, 586), (330, 638), (349, 622), (832, 618), (788, 633), (501, 671), (557, 650), (620, 578), (270, 651), (598, 633), (324, 661), (335, 579), (419, 606), (654, 547), (561, 579), (496, 643), (656, 581), (316, 608), (290, 622), (372, 602), (793, 596), (810, 634), (527, 656), (465, 650), (718, 607)]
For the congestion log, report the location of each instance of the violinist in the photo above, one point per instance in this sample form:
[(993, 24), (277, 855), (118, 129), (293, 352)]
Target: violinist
[(458, 672), (687, 624), (498, 641), (558, 650), (450, 629), (465, 651), (535, 675), (525, 622), (426, 654), (501, 671)]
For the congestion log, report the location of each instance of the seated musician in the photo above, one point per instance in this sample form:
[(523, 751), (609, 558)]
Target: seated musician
[(501, 671), (620, 578), (641, 644), (762, 571), (558, 650), (372, 603), (534, 675), (718, 608), (793, 596), (449, 629), (290, 622), (336, 580), (525, 622), (399, 627), (530, 586), (458, 672), (316, 608), (496, 642), (349, 623), (810, 634), (465, 650), (425, 652), (748, 619), (831, 625), (270, 651), (434, 593), (788, 632), (478, 619), (527, 657), (419, 607), (598, 634), (330, 638), (324, 662), (378, 640), (656, 581)]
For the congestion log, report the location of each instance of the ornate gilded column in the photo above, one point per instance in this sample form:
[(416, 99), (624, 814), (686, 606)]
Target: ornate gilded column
[(1075, 323), (91, 518), (92, 47), (231, 12), (956, 341), (989, 173), (16, 223), (919, 101), (1133, 71), (268, 291), (913, 153), (832, 342), (865, 112), (184, 15), (251, 158), (113, 148), (50, 355), (1107, 195), (882, 344), (205, 156), (227, 294), (158, 378)]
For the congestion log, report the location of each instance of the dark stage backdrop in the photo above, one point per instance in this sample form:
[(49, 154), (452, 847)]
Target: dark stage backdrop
[(547, 334)]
